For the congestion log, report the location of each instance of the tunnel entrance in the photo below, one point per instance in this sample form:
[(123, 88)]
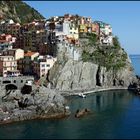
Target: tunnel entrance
[(26, 89), (10, 87)]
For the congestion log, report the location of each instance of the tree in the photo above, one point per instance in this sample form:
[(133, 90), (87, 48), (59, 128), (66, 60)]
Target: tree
[(116, 42)]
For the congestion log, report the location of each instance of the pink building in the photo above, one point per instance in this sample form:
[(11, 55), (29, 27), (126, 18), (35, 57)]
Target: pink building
[(95, 28), (6, 41), (85, 20), (7, 64), (5, 38)]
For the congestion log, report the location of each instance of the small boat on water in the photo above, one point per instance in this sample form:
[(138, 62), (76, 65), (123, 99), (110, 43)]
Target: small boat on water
[(82, 95), (67, 107)]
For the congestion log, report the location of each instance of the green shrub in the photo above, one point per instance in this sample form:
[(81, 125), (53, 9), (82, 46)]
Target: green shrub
[(108, 56)]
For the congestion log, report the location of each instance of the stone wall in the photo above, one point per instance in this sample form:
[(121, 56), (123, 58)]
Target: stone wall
[(17, 81)]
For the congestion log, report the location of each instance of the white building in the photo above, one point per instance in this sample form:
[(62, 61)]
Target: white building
[(43, 64), (106, 40), (17, 53), (70, 29), (106, 30)]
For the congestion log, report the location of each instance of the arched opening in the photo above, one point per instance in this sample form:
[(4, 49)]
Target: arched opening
[(10, 87), (26, 89)]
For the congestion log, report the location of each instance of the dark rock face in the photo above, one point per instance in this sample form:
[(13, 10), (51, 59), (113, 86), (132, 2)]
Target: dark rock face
[(81, 113), (86, 75), (43, 104), (136, 86)]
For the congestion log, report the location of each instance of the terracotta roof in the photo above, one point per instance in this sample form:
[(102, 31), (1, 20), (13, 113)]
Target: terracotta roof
[(29, 53)]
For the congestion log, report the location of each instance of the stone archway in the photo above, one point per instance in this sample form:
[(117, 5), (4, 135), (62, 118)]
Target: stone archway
[(11, 87)]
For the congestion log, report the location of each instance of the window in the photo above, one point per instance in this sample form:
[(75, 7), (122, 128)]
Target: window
[(14, 81), (21, 81), (43, 65), (48, 65)]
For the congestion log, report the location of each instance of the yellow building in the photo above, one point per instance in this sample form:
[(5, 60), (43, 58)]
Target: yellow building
[(82, 28), (16, 53)]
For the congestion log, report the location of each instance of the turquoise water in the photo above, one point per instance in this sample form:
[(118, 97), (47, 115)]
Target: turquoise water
[(115, 114), (136, 63)]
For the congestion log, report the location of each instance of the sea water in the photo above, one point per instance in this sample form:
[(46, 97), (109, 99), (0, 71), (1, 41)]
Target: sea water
[(114, 114)]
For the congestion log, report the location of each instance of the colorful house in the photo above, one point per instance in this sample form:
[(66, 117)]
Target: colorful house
[(42, 64), (6, 41), (95, 28), (83, 28), (28, 61), (16, 53), (7, 63), (70, 30)]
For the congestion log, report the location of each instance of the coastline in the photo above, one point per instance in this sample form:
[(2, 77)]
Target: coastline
[(64, 114), (85, 92), (53, 116)]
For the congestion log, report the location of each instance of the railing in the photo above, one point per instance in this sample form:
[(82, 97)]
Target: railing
[(18, 77)]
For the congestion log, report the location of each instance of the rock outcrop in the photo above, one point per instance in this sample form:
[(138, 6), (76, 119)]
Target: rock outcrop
[(45, 103), (87, 75), (102, 66)]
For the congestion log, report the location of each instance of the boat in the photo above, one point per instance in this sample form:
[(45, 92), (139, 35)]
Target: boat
[(67, 107), (82, 95)]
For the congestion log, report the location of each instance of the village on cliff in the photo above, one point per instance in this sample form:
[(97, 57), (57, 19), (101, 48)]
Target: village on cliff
[(31, 49)]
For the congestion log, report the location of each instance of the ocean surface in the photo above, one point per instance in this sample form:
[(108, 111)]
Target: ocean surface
[(136, 63), (114, 114)]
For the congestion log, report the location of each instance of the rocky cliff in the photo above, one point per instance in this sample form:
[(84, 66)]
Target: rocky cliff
[(18, 11), (99, 66), (41, 103)]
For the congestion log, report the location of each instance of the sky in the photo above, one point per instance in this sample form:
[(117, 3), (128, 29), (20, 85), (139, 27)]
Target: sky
[(124, 17)]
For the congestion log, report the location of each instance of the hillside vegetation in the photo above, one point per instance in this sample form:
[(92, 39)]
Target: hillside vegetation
[(18, 11), (111, 57)]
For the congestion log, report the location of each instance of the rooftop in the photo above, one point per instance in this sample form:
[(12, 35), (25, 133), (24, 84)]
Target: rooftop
[(30, 53)]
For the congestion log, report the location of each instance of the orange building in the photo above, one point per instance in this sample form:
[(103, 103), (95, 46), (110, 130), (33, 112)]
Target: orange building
[(95, 28)]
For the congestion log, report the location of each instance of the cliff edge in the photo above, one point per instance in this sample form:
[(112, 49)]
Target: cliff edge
[(99, 66)]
